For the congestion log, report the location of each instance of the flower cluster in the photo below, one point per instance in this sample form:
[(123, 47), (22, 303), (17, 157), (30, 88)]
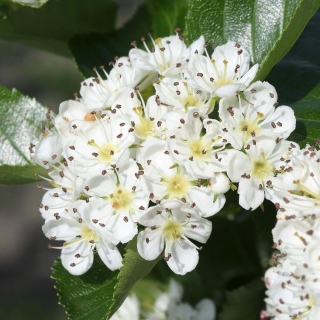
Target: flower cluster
[(168, 306), (120, 157), (293, 283)]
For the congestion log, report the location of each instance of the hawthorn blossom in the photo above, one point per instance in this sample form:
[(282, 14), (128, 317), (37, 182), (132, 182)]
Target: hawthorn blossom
[(81, 241), (165, 180), (176, 93), (169, 225), (101, 147), (255, 170), (225, 74), (255, 113), (59, 200), (123, 201), (98, 93), (168, 56)]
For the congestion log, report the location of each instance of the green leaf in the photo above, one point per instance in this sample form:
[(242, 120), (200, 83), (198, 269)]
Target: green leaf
[(100, 292), (52, 25), (297, 80), (20, 125), (134, 268), (15, 175), (88, 296), (245, 302), (167, 15), (158, 17), (268, 29)]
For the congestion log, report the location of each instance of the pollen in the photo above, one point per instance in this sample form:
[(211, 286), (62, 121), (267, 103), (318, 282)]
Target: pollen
[(121, 200)]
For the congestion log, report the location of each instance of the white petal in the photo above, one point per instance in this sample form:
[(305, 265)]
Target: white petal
[(249, 76), (110, 255), (150, 244), (77, 266), (184, 257), (229, 90), (250, 194), (62, 229)]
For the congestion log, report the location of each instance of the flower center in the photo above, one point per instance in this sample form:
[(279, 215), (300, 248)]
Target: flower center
[(198, 149), (261, 168), (177, 186), (89, 235), (144, 129), (190, 101), (172, 230), (250, 128), (105, 152), (121, 199)]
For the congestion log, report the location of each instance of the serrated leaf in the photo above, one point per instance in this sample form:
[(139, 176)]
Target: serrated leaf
[(297, 80), (97, 294), (158, 17), (134, 268), (245, 302), (50, 26), (20, 124), (86, 297), (268, 29)]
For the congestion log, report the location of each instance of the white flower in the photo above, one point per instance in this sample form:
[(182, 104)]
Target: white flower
[(255, 170), (81, 241), (67, 188), (253, 114), (198, 152), (168, 56), (123, 201), (290, 298), (177, 94), (225, 74), (129, 310), (49, 151), (300, 190), (165, 180), (101, 147), (98, 93), (171, 224)]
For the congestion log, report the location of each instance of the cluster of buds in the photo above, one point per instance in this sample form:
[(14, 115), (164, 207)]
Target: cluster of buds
[(119, 157)]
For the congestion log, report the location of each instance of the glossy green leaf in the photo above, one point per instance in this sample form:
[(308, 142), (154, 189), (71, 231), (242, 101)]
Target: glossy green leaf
[(245, 302), (297, 80), (268, 29), (20, 125), (97, 294), (158, 17), (52, 25)]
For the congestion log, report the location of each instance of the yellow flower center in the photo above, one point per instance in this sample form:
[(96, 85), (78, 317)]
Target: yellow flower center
[(172, 230), (121, 199), (190, 101), (250, 128), (88, 235), (177, 186), (145, 127), (261, 168), (105, 152), (198, 149)]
